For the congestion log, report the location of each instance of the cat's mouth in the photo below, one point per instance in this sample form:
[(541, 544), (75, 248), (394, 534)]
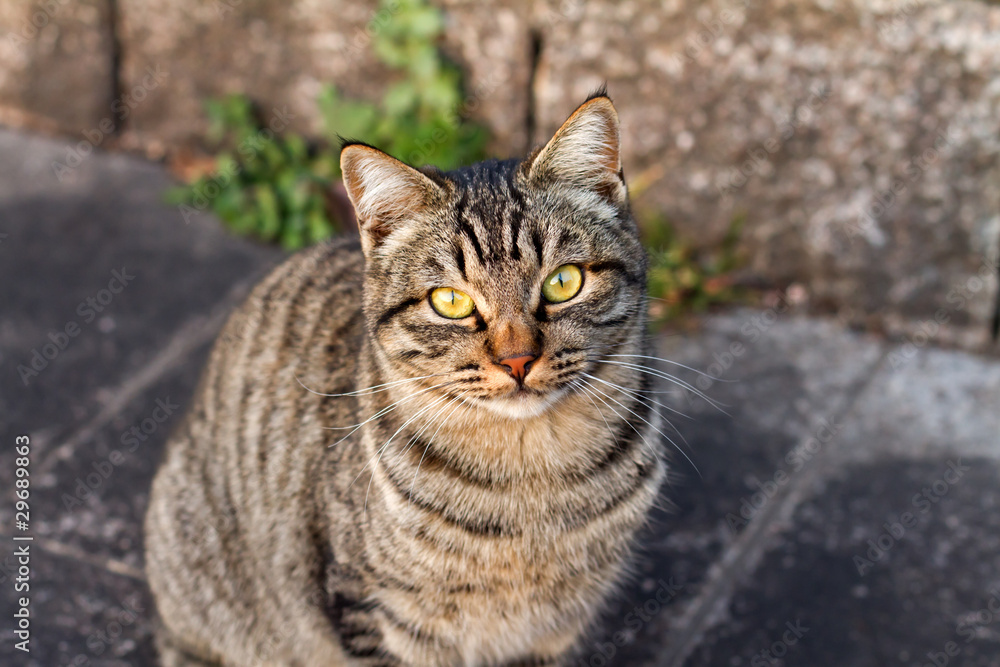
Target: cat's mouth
[(522, 402)]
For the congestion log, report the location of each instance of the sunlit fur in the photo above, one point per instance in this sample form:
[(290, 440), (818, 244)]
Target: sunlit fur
[(393, 494)]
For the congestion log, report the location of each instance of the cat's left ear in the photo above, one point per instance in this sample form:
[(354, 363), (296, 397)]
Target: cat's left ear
[(585, 153), (384, 191)]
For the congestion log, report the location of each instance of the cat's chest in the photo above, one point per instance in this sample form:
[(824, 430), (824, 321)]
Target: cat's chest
[(530, 601), (503, 602)]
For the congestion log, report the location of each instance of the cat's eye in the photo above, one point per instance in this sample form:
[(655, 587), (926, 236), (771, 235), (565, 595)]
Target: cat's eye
[(562, 284), (451, 303)]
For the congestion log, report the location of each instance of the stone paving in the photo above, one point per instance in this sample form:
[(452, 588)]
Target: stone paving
[(841, 503)]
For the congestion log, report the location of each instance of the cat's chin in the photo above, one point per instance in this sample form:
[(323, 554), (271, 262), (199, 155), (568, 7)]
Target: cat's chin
[(522, 405)]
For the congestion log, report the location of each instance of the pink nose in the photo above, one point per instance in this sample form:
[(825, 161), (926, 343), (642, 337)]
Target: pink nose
[(518, 367)]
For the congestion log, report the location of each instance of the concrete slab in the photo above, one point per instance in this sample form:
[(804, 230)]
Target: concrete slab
[(928, 403), (872, 575), (65, 240), (100, 282)]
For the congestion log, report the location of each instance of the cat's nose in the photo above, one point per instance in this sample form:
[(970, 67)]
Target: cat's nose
[(518, 366)]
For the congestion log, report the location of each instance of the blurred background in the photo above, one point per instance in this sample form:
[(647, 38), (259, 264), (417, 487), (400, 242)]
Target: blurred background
[(818, 183)]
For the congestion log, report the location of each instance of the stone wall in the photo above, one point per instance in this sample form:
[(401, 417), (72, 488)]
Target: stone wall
[(861, 139)]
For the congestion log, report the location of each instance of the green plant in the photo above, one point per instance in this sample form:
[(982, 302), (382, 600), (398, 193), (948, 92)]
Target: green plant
[(684, 280), (268, 186), (422, 117), (279, 188)]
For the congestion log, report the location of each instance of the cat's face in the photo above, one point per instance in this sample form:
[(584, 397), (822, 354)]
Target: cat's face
[(501, 282)]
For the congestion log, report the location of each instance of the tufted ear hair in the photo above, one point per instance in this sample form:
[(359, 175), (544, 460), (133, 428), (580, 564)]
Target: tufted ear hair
[(585, 153), (384, 191)]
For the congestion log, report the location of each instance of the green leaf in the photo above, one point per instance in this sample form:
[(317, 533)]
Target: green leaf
[(269, 222), (400, 98)]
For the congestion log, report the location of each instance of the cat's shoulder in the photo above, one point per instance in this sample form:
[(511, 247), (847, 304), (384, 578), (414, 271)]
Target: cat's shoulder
[(339, 259)]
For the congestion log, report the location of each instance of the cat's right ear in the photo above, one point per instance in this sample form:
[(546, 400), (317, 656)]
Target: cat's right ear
[(384, 191)]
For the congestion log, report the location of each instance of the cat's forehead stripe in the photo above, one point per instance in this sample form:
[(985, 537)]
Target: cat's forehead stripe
[(460, 260), (516, 215), (490, 209), (465, 227)]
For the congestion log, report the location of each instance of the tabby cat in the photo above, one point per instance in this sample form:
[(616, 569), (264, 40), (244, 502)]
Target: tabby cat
[(417, 448)]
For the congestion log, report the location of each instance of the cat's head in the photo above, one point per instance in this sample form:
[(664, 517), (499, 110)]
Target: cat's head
[(504, 280)]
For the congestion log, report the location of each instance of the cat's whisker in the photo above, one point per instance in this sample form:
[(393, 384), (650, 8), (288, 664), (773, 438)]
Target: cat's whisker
[(637, 395), (669, 378), (578, 384), (381, 450), (368, 390), (602, 352), (675, 363), (416, 436), (587, 387), (645, 401), (648, 423), (457, 400), (381, 413), (391, 406)]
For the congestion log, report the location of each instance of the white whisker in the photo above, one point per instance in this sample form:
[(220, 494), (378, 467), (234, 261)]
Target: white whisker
[(381, 413), (591, 390), (370, 390), (579, 385), (669, 378), (381, 450), (645, 401), (457, 400), (430, 422), (668, 438), (636, 394), (675, 363)]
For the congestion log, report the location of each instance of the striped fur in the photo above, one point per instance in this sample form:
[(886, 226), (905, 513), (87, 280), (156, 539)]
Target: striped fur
[(470, 522)]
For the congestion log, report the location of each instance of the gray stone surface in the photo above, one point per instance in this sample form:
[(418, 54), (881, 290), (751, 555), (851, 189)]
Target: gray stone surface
[(808, 116), (63, 239), (821, 441), (54, 52), (289, 50)]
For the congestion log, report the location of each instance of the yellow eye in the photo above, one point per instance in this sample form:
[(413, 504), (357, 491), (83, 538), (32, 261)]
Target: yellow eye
[(563, 283), (450, 303)]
